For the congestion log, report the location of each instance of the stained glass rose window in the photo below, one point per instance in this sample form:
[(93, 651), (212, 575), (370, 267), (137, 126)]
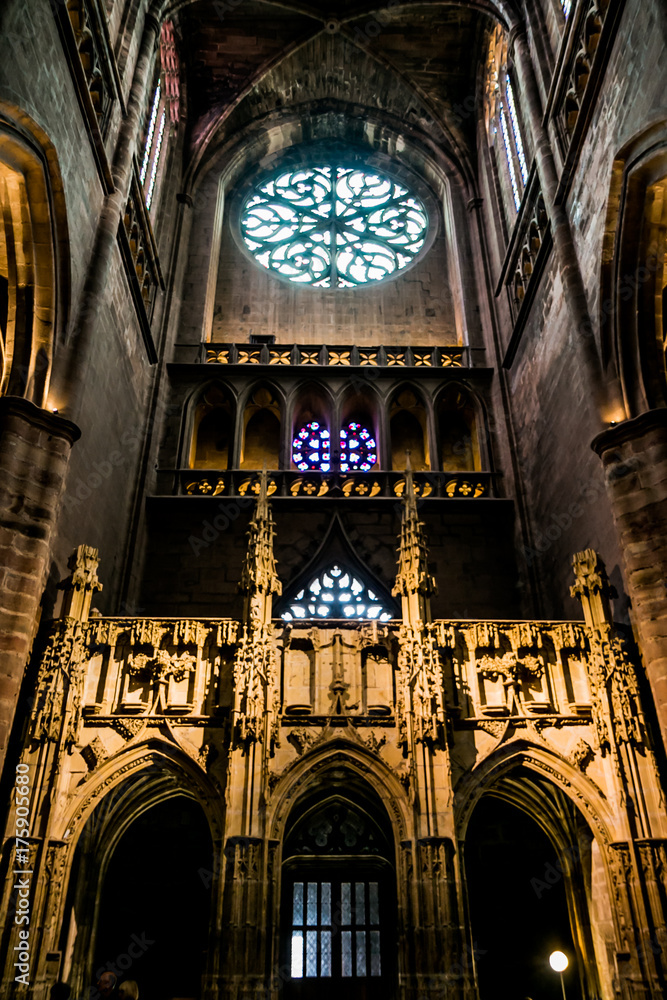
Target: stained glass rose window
[(333, 226)]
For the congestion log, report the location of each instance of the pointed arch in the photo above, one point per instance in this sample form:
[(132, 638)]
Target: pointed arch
[(367, 596), (34, 257), (409, 429), (210, 428), (261, 429), (633, 295), (359, 423), (569, 810), (457, 415), (365, 774), (311, 404)]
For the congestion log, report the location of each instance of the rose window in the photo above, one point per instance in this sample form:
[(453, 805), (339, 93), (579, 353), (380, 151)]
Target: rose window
[(337, 593), (332, 226), (358, 448), (311, 448)]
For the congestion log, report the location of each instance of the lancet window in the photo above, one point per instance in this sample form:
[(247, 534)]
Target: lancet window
[(164, 111), (502, 122)]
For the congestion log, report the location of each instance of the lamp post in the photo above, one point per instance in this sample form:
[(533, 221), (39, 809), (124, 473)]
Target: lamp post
[(559, 963)]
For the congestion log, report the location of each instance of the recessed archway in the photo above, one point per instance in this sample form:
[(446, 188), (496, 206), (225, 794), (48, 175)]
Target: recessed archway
[(156, 893), (518, 905), (338, 893)]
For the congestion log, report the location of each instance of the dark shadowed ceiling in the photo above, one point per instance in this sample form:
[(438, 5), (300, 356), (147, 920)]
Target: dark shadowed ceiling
[(416, 63)]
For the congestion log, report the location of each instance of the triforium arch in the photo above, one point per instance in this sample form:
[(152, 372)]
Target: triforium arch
[(260, 429), (209, 428), (580, 864), (409, 422), (633, 300), (460, 429)]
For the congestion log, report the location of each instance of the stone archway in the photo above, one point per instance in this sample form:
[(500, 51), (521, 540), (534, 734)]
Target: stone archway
[(531, 861), (138, 905), (338, 898)]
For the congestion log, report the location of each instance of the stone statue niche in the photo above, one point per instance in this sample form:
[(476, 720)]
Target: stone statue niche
[(378, 681), (299, 677)]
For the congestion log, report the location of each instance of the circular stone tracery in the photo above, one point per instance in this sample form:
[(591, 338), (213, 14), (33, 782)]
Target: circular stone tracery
[(332, 226)]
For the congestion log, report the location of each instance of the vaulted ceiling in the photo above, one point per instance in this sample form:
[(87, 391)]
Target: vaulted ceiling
[(417, 63)]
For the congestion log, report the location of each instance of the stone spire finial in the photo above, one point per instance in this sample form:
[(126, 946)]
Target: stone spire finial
[(82, 584), (259, 579), (593, 589), (414, 583)]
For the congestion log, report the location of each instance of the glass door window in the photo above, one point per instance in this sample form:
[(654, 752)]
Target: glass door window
[(335, 930)]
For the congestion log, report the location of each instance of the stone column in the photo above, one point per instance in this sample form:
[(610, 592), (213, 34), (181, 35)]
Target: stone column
[(246, 905), (34, 453), (441, 969), (634, 456), (561, 231)]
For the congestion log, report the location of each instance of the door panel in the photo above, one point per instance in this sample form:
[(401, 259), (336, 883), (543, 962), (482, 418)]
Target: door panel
[(333, 940)]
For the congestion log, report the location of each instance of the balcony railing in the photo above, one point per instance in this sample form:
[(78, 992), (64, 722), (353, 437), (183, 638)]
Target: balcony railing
[(141, 261), (383, 485), (323, 356), (525, 259)]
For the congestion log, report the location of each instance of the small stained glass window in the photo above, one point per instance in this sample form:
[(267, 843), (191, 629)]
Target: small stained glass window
[(333, 226), (311, 448), (358, 448), (567, 7), (337, 593)]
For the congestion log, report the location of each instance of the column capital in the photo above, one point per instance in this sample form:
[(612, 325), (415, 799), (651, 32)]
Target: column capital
[(629, 430), (44, 420)]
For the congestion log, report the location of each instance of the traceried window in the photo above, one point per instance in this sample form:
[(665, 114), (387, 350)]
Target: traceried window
[(567, 7), (311, 448), (336, 593), (333, 226)]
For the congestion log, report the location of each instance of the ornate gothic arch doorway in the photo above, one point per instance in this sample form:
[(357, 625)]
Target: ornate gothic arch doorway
[(139, 903), (338, 911), (530, 864)]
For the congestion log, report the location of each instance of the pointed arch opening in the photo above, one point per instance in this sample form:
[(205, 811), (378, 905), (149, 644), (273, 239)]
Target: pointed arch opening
[(527, 844), (262, 422), (213, 430), (311, 430), (408, 431), (33, 260), (339, 892), (457, 430), (633, 293), (336, 585), (119, 907)]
